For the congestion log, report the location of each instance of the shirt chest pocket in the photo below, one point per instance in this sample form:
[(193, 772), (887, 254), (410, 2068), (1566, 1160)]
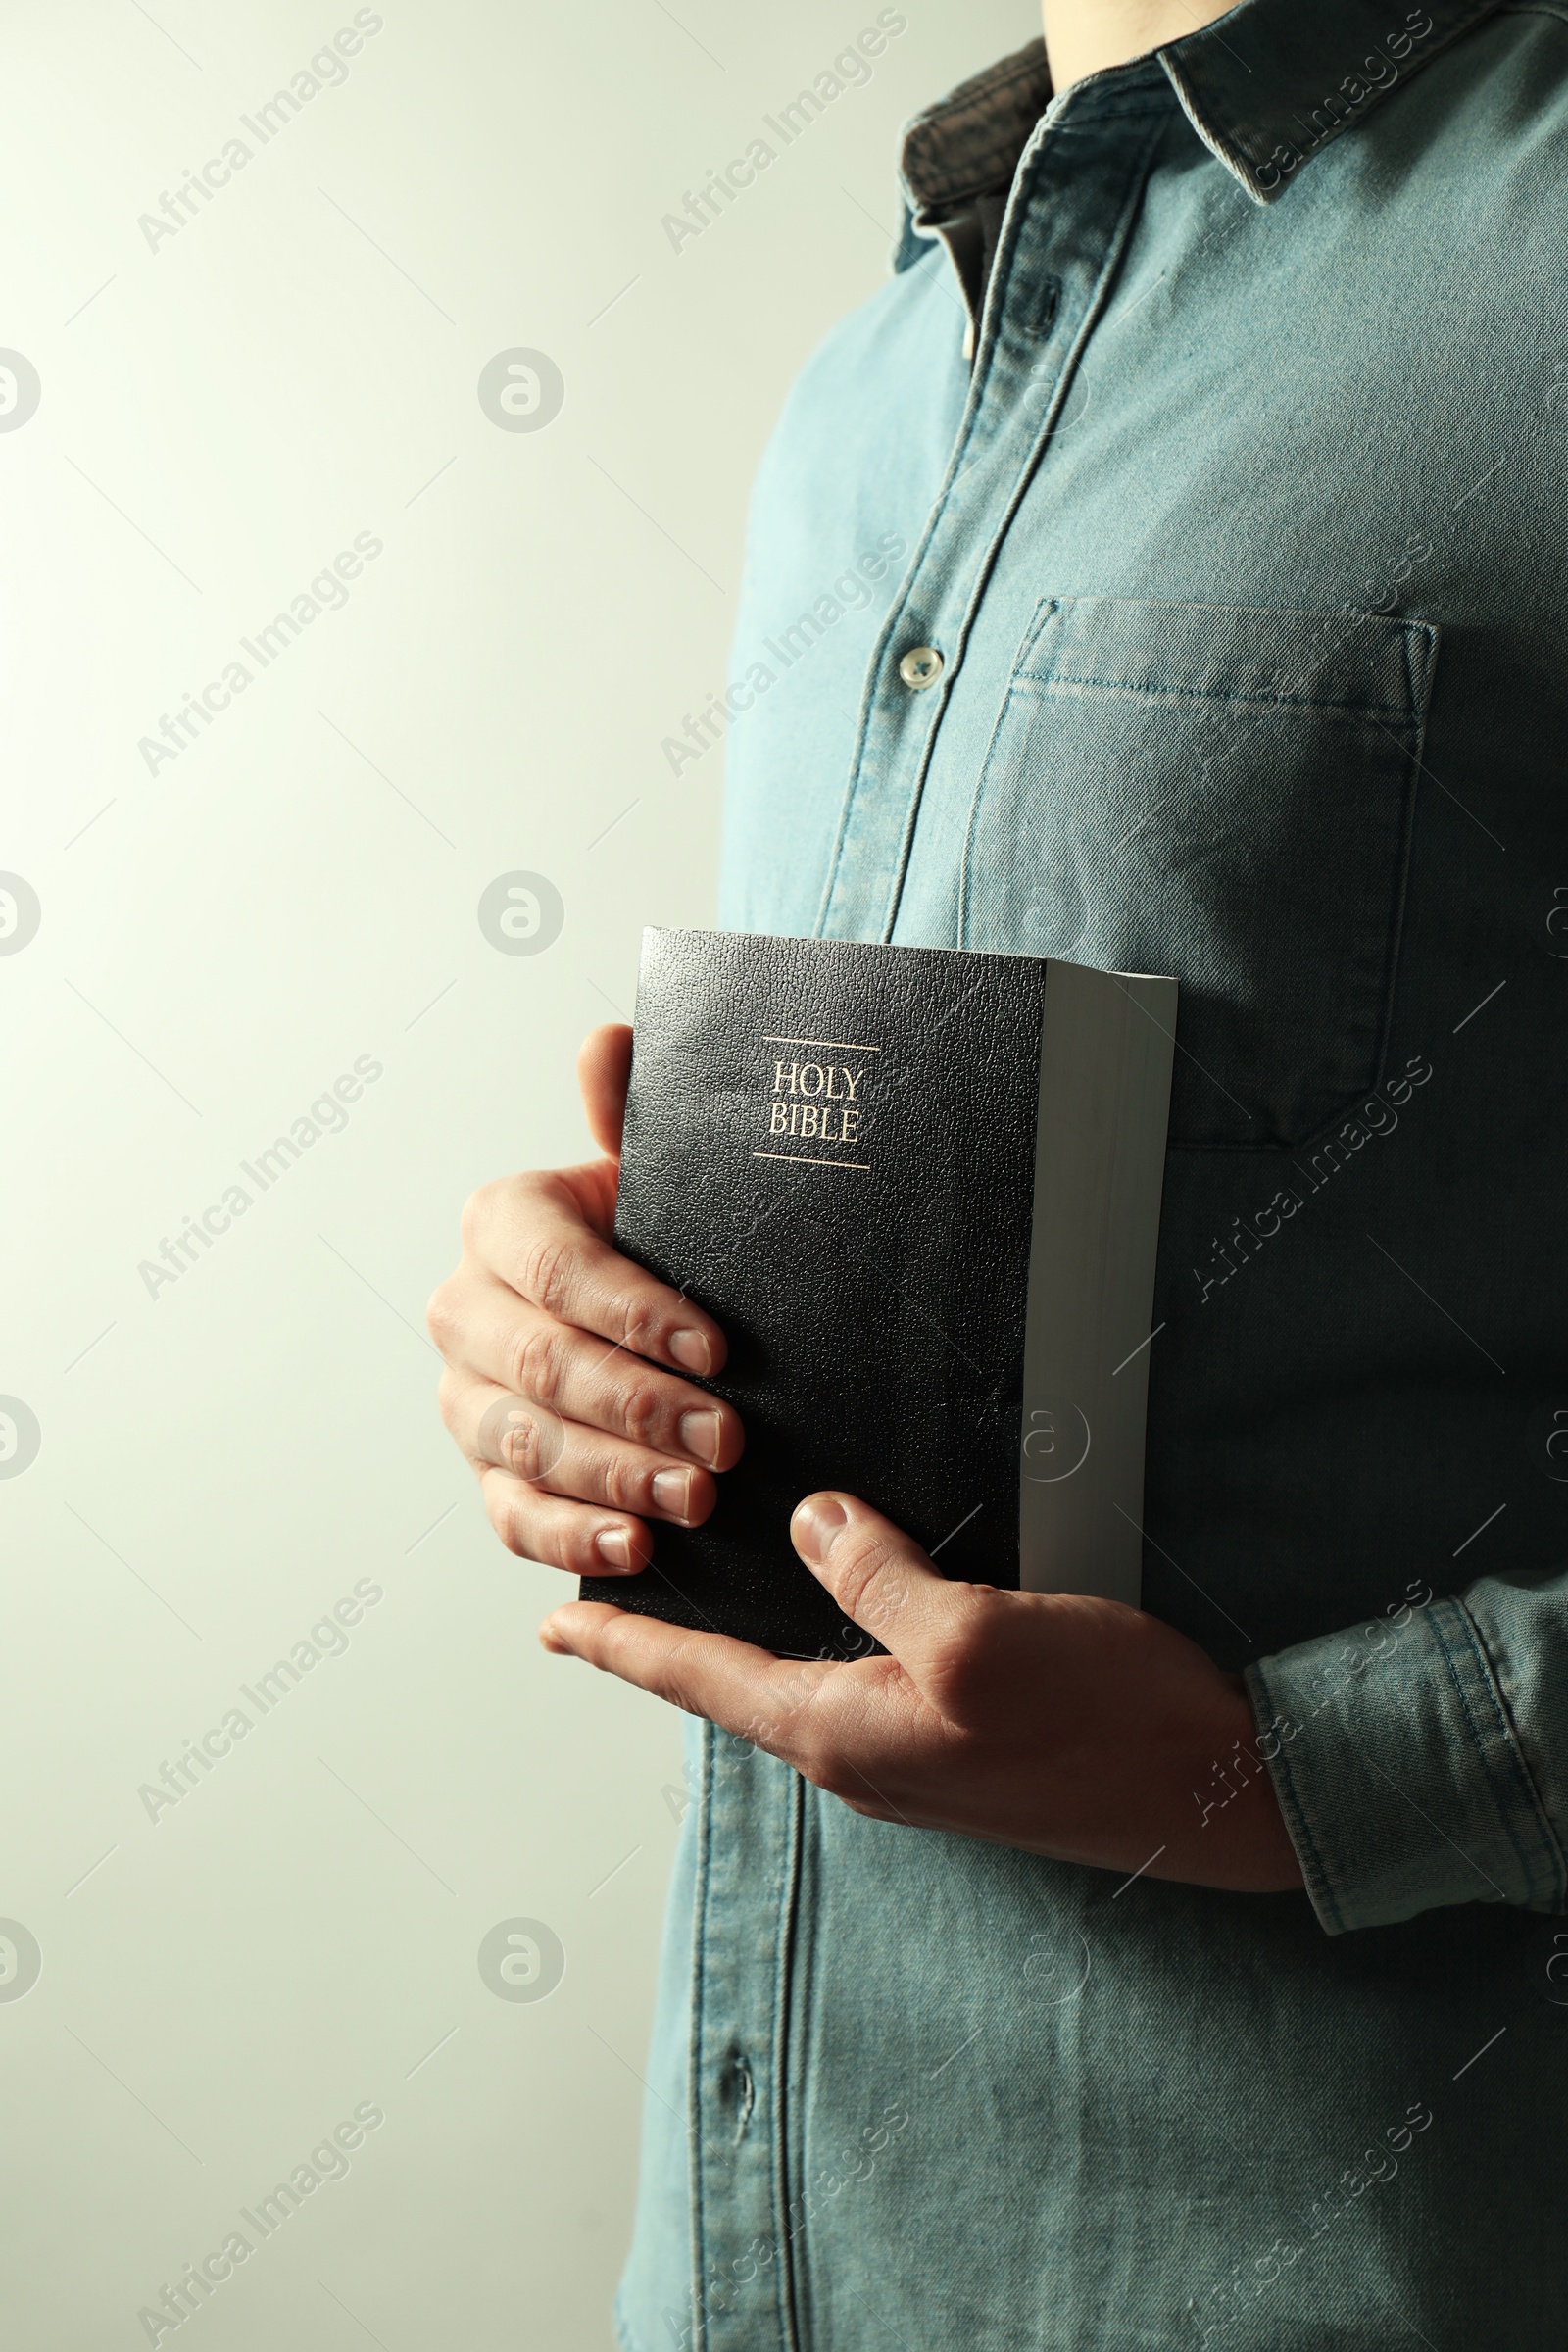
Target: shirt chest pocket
[(1226, 794)]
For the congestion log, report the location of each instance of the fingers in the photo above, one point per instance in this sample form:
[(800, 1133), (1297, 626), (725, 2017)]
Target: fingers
[(604, 1071), (844, 1725), (532, 1231), (882, 1580), (518, 1435), (744, 1690), (482, 1325), (563, 1360), (560, 1533)]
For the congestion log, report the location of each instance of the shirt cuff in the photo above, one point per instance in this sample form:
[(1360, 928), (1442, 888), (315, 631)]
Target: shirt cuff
[(1399, 1773)]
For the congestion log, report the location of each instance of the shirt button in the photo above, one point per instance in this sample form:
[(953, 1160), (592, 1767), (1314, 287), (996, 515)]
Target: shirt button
[(920, 667)]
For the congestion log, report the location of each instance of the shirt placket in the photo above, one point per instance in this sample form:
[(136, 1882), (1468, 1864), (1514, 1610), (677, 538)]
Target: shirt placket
[(1074, 201), (742, 2221)]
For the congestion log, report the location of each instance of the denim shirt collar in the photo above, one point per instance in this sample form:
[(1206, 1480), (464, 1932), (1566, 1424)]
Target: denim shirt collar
[(1264, 87)]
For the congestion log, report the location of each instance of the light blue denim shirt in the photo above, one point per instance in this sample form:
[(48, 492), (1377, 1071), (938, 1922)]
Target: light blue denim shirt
[(1243, 539)]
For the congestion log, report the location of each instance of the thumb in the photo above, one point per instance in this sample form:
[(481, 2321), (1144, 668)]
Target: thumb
[(879, 1577), (603, 1072)]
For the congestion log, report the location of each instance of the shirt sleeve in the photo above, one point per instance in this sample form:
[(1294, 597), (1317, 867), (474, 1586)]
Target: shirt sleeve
[(1425, 1761)]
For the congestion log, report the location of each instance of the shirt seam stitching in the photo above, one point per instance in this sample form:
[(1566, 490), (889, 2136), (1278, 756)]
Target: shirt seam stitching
[(787, 2282), (699, 2220), (1409, 670), (1224, 147), (1321, 1889), (1327, 1883), (1520, 1771), (1024, 679), (1113, 261), (1477, 1737)]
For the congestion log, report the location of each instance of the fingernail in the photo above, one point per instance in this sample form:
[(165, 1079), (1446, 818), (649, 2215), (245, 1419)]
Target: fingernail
[(673, 1493), (700, 1434), (614, 1547), (549, 1640), (689, 1348), (817, 1521)]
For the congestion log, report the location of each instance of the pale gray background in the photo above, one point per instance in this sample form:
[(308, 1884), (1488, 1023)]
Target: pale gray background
[(219, 1464)]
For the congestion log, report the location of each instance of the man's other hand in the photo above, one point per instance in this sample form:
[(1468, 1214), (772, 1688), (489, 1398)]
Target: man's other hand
[(563, 1383), (1072, 1728)]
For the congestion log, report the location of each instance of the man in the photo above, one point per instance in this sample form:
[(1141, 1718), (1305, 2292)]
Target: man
[(1054, 1981)]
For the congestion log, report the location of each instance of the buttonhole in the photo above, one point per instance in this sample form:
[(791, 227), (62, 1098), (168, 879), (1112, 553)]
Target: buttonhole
[(1043, 308), (745, 2096)]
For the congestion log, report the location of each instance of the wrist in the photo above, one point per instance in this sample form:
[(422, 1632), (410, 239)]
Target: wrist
[(1236, 1835)]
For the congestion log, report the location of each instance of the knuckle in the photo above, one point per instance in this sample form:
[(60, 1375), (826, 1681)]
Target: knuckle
[(549, 1265), (863, 1550), (641, 1406), (794, 1731), (637, 1321), (516, 1438), (534, 1364), (962, 1670), (475, 1215), (620, 1481), (981, 1615), (868, 1570), (956, 1682), (674, 1692), (510, 1515), (441, 1317), (673, 1680)]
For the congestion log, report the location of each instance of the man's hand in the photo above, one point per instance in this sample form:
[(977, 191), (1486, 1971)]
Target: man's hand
[(552, 1342), (1073, 1727)]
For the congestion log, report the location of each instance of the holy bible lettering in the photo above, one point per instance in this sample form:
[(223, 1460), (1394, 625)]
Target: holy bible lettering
[(821, 1102)]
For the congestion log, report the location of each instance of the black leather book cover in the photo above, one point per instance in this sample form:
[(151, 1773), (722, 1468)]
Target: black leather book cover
[(830, 1146)]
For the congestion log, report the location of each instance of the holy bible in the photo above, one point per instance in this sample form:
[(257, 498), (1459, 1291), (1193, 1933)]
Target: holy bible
[(919, 1190)]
